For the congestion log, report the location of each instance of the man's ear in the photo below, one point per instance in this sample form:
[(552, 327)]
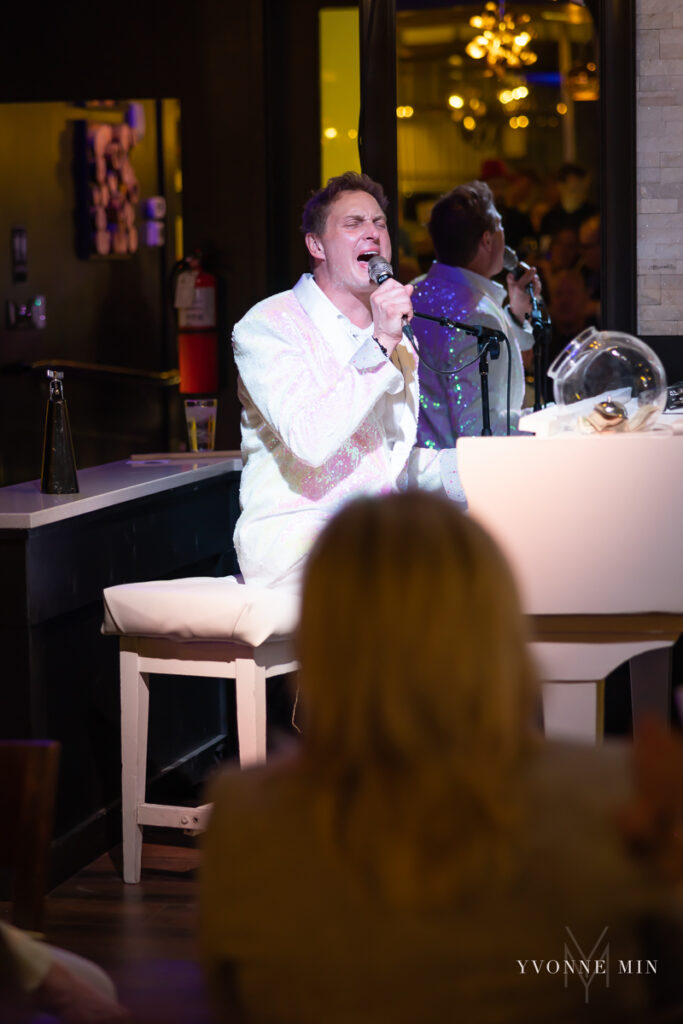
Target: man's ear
[(314, 246), (486, 241)]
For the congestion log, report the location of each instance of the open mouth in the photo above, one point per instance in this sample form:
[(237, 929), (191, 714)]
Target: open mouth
[(365, 257)]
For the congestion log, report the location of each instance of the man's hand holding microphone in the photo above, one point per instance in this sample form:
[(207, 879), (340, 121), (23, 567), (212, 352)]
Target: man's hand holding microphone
[(392, 308)]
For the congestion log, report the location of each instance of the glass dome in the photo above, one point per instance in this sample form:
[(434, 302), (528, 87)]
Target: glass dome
[(615, 378)]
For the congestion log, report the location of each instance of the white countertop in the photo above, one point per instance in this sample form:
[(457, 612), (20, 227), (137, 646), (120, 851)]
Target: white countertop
[(23, 506)]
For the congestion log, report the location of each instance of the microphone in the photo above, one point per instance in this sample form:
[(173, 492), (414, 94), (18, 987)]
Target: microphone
[(513, 264), (516, 267), (379, 269)]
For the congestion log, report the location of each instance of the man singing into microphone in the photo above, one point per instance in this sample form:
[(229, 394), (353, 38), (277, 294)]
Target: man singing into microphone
[(328, 387), (469, 243)]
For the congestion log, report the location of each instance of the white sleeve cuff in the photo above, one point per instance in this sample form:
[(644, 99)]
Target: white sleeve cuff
[(434, 469), (370, 357)]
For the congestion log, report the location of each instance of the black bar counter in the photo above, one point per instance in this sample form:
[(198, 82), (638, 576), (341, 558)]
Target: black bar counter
[(134, 520)]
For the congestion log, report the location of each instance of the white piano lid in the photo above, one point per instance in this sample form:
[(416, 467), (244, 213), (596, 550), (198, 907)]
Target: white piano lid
[(590, 524)]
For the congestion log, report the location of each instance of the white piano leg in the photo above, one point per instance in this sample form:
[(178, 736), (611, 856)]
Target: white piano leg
[(571, 711), (651, 684)]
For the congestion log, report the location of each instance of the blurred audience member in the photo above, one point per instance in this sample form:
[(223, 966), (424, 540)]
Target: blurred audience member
[(408, 266), (500, 179), (570, 312), (497, 176), (651, 822), (416, 208), (424, 856), (563, 254), (573, 206), (521, 196), (590, 263), (547, 198)]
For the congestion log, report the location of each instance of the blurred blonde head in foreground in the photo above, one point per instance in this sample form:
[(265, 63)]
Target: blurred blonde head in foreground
[(418, 695)]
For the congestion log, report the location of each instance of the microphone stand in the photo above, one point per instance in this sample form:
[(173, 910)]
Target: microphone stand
[(488, 346), (540, 329)]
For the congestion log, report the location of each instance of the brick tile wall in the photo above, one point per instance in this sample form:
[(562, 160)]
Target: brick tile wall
[(659, 97)]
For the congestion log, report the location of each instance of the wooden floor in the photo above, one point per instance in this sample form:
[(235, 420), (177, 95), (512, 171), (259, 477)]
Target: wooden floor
[(143, 935)]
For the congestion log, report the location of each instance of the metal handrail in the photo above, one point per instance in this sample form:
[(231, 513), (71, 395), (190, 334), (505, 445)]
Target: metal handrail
[(165, 378)]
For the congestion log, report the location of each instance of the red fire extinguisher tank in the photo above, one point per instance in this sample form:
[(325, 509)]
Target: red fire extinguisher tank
[(197, 339)]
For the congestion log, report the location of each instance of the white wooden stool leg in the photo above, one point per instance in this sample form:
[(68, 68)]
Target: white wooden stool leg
[(250, 692), (134, 719), (570, 711)]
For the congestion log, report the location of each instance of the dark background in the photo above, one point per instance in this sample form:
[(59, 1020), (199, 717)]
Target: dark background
[(246, 77), (219, 61)]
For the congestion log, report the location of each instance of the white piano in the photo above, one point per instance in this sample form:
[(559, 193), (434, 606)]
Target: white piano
[(593, 527)]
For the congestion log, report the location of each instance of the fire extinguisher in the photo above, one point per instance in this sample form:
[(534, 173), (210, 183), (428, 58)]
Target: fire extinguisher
[(194, 297)]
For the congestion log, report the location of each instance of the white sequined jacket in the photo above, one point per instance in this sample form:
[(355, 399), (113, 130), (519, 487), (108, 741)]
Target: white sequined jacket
[(325, 417)]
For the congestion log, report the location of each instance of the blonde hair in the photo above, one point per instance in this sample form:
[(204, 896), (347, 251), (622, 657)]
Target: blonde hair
[(417, 694)]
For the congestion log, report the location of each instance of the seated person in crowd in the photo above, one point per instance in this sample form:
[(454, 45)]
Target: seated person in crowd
[(469, 242), (570, 309), (522, 193), (573, 205), (590, 262), (562, 254), (424, 847), (496, 174), (651, 821), (408, 266), (328, 387), (570, 313)]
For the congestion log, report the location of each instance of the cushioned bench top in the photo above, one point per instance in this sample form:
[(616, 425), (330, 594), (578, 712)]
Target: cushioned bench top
[(200, 608)]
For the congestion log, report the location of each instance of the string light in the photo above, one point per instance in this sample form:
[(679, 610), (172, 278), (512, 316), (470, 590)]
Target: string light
[(513, 95)]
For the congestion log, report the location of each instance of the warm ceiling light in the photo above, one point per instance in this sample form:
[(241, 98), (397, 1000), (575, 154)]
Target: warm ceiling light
[(477, 48), (523, 121), (500, 41), (330, 133), (352, 133), (456, 101), (561, 108), (406, 111), (469, 123)]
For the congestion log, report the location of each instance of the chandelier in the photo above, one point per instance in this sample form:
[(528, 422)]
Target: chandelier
[(502, 41)]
